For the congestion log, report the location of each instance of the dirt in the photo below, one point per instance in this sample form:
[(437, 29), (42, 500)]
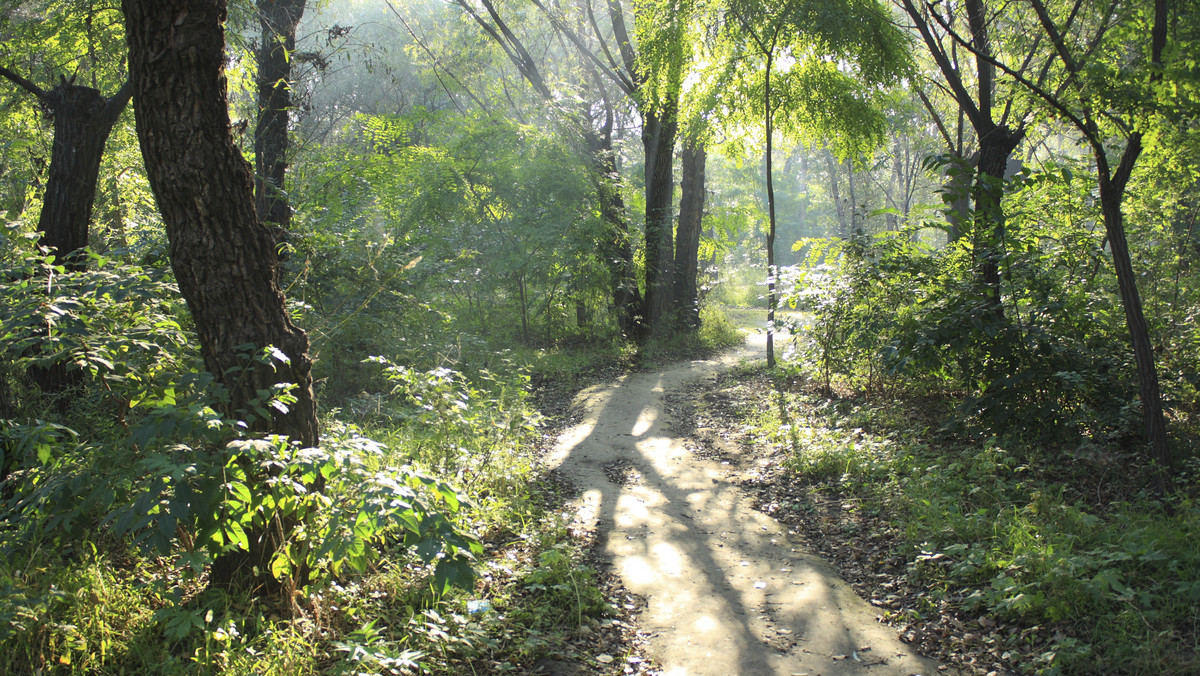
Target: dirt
[(726, 588)]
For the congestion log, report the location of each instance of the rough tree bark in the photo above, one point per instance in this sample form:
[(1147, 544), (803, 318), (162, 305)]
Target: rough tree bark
[(83, 120), (279, 19), (687, 238), (223, 257)]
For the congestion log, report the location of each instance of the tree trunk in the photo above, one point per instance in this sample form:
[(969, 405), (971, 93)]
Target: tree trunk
[(856, 226), (1111, 195), (958, 184), (834, 168), (618, 250), (771, 225), (687, 238), (83, 120), (279, 19), (658, 140), (224, 259), (996, 145)]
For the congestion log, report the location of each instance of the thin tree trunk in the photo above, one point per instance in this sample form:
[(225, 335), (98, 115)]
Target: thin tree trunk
[(834, 167), (1112, 193), (524, 309), (279, 19), (771, 227), (618, 249), (687, 238), (855, 224), (224, 259)]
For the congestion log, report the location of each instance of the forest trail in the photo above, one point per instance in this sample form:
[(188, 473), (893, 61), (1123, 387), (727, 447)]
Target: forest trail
[(728, 591)]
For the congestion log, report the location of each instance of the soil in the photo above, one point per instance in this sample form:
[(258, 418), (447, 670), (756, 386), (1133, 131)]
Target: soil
[(721, 587)]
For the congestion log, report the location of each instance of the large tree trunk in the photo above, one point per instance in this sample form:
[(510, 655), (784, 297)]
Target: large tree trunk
[(687, 238), (658, 140), (83, 121), (279, 19), (224, 259)]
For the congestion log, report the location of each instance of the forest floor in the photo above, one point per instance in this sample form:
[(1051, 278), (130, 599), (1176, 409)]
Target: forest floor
[(720, 587)]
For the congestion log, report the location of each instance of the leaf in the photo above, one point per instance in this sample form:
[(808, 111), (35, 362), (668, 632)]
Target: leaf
[(237, 536), (281, 565), (239, 491)]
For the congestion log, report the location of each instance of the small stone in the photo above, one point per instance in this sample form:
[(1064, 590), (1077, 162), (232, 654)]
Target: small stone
[(604, 659)]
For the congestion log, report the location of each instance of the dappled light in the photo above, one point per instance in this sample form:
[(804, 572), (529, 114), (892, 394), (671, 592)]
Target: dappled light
[(604, 337)]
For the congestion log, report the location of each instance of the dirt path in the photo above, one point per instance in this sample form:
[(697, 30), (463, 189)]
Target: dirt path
[(728, 590)]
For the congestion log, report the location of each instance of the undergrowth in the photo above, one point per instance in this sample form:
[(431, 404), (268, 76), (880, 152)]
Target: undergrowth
[(434, 544), (1101, 573)]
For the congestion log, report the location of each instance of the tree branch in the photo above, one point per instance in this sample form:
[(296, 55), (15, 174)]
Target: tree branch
[(1050, 99), (511, 45), (627, 84), (116, 103), (937, 119), (949, 71), (437, 63), (24, 84)]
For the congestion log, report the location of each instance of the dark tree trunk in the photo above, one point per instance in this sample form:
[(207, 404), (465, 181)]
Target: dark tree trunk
[(224, 259), (687, 238), (618, 250), (279, 19), (958, 183), (1112, 193), (658, 140), (996, 145), (83, 120), (771, 218)]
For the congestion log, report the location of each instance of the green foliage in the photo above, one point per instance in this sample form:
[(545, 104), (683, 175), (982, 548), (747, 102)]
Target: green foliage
[(338, 508), (888, 312), (455, 237), (827, 62), (115, 324), (566, 593)]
